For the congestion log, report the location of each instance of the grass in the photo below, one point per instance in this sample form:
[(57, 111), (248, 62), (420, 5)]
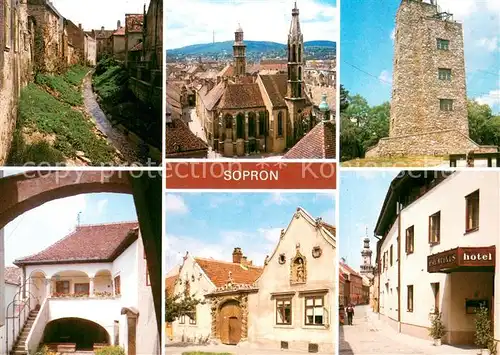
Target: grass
[(44, 113), (76, 74), (399, 162), (65, 91)]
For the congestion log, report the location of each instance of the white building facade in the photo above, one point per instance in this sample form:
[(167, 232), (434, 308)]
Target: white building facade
[(94, 279), (448, 226)]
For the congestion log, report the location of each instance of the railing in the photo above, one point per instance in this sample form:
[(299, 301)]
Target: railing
[(23, 306)]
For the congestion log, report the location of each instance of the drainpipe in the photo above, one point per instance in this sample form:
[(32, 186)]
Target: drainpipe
[(399, 265)]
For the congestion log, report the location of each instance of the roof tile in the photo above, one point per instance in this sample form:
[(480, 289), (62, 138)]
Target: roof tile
[(319, 143), (218, 272)]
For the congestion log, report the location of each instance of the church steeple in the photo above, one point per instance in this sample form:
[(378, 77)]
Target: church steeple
[(295, 88), (239, 53)]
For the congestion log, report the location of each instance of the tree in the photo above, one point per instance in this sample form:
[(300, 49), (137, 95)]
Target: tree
[(179, 305), (484, 128), (344, 98)]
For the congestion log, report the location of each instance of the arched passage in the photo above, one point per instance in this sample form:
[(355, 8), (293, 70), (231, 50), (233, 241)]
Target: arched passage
[(20, 193), (82, 332), (230, 322)]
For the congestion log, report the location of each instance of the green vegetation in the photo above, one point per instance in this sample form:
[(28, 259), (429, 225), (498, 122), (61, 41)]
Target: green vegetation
[(44, 350), (110, 82), (362, 127), (204, 353), (76, 74), (178, 305), (110, 350), (49, 130)]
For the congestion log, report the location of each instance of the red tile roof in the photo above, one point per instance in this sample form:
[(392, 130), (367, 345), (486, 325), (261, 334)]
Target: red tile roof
[(276, 86), (103, 34), (170, 284), (319, 143), (180, 139), (218, 272), (350, 270), (239, 96), (90, 243), (13, 275), (119, 32), (134, 22)]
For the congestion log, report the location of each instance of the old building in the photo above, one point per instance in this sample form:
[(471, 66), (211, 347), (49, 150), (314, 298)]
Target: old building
[(133, 36), (76, 39), (289, 303), (245, 114), (90, 49), (16, 66), (353, 286), (119, 51), (104, 290), (104, 39), (429, 100), (439, 232)]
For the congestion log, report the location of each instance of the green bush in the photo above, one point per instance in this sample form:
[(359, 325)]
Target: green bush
[(436, 330), (76, 74), (110, 350), (484, 332), (66, 92)]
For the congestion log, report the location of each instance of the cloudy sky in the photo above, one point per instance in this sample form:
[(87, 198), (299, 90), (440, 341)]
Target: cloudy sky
[(41, 227), (367, 47), (93, 14), (213, 224), (194, 21), (361, 196)]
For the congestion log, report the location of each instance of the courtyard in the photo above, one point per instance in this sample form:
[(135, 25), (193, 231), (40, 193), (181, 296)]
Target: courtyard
[(369, 335)]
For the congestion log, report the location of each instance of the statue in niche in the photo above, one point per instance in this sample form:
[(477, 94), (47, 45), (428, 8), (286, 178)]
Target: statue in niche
[(298, 271)]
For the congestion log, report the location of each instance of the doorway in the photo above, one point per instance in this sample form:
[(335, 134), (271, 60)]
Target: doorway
[(230, 323)]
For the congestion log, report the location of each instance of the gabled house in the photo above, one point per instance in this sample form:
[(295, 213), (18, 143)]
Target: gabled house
[(288, 303), (88, 290)]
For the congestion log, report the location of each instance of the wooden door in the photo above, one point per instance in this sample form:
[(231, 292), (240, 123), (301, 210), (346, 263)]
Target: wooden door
[(230, 323)]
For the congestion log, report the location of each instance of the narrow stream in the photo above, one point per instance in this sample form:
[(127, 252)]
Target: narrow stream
[(120, 141)]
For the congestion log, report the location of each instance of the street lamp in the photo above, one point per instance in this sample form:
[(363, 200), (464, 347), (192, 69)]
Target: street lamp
[(324, 108)]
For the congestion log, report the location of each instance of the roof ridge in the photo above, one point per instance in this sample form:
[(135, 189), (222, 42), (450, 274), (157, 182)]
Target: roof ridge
[(107, 224), (227, 262)]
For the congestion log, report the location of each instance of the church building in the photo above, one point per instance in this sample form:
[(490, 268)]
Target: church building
[(244, 114), (288, 303)]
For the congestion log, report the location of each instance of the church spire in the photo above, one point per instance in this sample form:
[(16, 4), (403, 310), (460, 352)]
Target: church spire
[(295, 58), (239, 52)]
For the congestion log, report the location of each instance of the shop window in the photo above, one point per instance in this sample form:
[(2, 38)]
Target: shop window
[(435, 291), (435, 228), (446, 105), (284, 311), (409, 302), (62, 287), (410, 239), (314, 310), (472, 211), (444, 74), (390, 256), (443, 44)]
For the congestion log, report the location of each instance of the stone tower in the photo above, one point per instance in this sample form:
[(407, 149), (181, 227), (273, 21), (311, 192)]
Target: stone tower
[(295, 94), (366, 254), (429, 99), (239, 53)]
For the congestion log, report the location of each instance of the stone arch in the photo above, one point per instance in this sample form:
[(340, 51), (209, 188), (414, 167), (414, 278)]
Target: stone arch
[(81, 331), (219, 328), (20, 193)]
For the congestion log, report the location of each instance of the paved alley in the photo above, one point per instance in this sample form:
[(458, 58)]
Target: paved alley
[(368, 335)]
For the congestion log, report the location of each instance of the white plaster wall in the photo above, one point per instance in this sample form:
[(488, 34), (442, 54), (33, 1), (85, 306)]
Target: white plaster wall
[(126, 265), (321, 274), (200, 287), (449, 198), (10, 293), (389, 276), (148, 339), (50, 270)]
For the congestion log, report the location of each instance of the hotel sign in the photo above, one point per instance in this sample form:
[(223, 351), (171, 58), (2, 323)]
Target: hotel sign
[(462, 257)]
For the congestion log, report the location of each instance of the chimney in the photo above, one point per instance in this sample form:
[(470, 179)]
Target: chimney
[(118, 25), (102, 28), (244, 260), (80, 26), (237, 255)]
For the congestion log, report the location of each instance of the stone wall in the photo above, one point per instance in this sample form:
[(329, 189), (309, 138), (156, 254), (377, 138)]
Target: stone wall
[(437, 143), (119, 47), (76, 37), (416, 88), (153, 43)]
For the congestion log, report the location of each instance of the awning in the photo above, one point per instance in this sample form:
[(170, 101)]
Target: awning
[(463, 259)]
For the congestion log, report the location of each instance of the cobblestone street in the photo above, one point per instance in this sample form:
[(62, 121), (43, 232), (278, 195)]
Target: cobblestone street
[(368, 335)]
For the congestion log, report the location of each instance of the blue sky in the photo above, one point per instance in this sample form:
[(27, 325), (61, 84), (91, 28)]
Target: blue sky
[(195, 21), (366, 44), (39, 228), (213, 224), (361, 196)]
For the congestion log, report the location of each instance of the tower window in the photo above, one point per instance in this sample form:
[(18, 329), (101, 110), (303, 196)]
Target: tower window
[(446, 105), (444, 74), (443, 44), (294, 53), (300, 53)]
